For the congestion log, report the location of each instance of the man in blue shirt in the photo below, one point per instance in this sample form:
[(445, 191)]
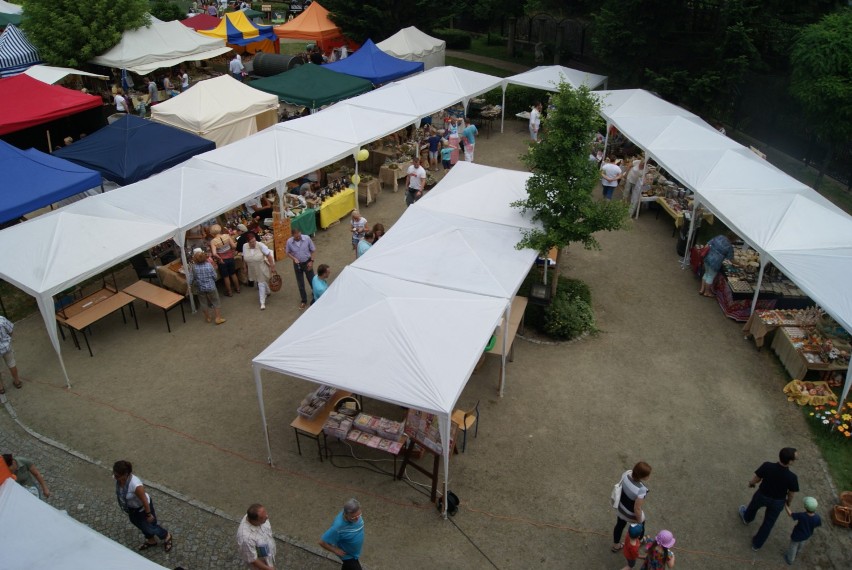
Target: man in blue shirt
[(301, 250), (365, 243), (345, 537), (469, 133), (319, 283)]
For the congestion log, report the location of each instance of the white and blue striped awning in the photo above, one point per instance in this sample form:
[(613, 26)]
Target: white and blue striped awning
[(16, 52)]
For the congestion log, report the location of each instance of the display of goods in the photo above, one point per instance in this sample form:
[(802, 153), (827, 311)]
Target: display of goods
[(813, 393), (337, 425), (354, 435), (829, 327), (738, 286), (390, 429), (796, 333), (364, 422), (315, 401)]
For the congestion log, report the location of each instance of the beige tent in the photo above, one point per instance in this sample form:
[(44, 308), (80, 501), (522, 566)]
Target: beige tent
[(222, 110)]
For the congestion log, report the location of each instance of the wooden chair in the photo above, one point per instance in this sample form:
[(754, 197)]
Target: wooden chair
[(467, 420)]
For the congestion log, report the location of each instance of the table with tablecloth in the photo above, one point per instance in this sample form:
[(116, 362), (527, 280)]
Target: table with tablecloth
[(795, 361), (390, 176), (335, 208), (305, 221)]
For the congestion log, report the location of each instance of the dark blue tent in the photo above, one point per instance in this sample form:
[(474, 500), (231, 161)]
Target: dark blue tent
[(33, 179), (371, 63), (132, 149)]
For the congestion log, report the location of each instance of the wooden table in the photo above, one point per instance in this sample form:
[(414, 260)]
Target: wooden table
[(516, 317), (678, 217), (313, 428), (92, 308), (392, 176), (157, 296), (795, 362), (370, 191)]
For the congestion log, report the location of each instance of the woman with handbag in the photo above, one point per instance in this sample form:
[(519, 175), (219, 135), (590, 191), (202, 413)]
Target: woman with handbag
[(261, 266), (631, 502), (139, 506), (224, 249)]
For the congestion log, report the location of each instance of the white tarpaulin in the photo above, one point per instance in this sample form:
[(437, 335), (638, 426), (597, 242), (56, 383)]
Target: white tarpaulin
[(221, 109), (8, 8), (50, 75), (350, 124), (411, 44), (400, 98), (35, 535), (461, 83), (162, 44)]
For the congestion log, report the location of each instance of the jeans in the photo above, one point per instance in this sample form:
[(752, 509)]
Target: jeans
[(149, 529), (794, 550), (302, 271), (773, 509), (607, 192)]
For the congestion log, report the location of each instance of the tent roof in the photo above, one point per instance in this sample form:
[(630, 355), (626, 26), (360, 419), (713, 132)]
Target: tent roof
[(350, 124), (425, 244), (637, 103), (462, 83), (312, 85), (25, 102), (548, 77), (33, 179), (16, 52), (9, 8), (34, 534), (203, 21), (162, 44), (371, 63), (279, 154), (312, 24), (401, 98), (412, 359), (411, 42), (213, 103), (235, 28), (133, 148), (50, 74), (9, 19), (482, 193)]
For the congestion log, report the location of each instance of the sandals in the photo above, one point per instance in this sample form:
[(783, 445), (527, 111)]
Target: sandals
[(167, 544), (18, 384), (146, 545), (617, 548), (301, 306)]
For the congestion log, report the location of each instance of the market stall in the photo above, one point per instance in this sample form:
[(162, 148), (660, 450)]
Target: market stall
[(51, 75), (374, 65), (26, 102), (312, 86), (313, 24), (16, 52), (243, 35), (203, 21), (411, 44)]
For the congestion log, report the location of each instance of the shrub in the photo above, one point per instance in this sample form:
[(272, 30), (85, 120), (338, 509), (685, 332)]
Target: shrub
[(568, 317), (456, 39), (518, 98)]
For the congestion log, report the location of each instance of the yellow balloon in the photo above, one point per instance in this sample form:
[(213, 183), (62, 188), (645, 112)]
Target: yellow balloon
[(356, 179), (363, 155)]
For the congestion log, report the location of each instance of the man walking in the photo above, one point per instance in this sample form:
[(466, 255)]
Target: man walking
[(254, 539), (7, 354), (301, 250), (777, 486), (416, 175), (345, 537)]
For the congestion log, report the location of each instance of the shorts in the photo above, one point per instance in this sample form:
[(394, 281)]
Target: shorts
[(631, 563), (446, 164), (212, 298), (9, 358), (228, 267), (709, 274), (433, 155), (410, 196)]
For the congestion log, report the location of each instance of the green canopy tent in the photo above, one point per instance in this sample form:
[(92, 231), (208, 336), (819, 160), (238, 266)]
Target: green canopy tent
[(6, 19), (312, 86)]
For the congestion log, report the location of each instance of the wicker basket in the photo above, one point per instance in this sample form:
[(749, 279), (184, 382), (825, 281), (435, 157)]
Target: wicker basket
[(841, 516), (846, 499)]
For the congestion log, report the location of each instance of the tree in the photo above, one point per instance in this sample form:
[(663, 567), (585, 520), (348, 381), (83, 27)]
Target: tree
[(822, 79), (560, 188), (167, 10), (380, 19), (70, 33)]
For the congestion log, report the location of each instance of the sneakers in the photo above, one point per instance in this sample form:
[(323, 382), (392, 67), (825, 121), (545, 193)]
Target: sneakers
[(262, 307), (742, 511), (219, 321)]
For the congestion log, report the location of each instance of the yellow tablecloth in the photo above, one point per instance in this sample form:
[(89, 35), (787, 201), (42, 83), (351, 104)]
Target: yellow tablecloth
[(333, 209)]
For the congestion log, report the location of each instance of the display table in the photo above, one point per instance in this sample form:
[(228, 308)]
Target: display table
[(90, 309), (306, 222), (487, 120), (157, 296), (762, 324), (678, 217), (173, 278), (369, 191), (312, 428), (335, 208), (391, 176), (797, 362), (516, 317)]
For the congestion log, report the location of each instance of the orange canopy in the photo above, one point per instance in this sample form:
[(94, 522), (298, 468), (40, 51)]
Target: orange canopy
[(313, 24)]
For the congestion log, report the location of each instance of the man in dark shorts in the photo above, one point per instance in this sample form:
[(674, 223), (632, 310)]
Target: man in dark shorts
[(777, 486)]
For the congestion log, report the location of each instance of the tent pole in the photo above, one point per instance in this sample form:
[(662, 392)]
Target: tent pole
[(685, 261), (606, 142), (503, 108), (846, 387), (48, 313), (258, 384), (641, 183), (182, 245), (49, 144), (757, 288), (445, 438), (355, 156), (506, 316)]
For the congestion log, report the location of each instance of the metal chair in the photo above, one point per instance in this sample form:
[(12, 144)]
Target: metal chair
[(143, 270), (466, 420)]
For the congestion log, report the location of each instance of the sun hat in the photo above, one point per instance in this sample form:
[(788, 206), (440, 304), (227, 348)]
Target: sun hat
[(197, 250), (665, 539), (811, 504), (634, 530), (242, 227)]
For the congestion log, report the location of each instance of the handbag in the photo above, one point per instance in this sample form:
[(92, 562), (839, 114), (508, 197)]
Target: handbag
[(615, 497), (275, 283)]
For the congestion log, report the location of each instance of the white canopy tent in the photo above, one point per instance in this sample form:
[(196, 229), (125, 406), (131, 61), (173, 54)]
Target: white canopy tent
[(415, 357), (34, 534), (350, 124), (461, 83), (162, 44), (50, 75), (221, 109), (411, 44), (400, 98), (548, 78), (8, 8)]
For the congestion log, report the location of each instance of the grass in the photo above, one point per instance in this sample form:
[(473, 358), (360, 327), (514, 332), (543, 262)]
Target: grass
[(835, 449), (479, 46), (479, 67)]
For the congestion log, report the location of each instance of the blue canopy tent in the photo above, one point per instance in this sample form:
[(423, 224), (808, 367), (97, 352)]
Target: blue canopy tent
[(132, 149), (373, 64), (33, 179)]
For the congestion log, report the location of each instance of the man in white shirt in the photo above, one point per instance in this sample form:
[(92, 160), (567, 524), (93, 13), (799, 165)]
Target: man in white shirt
[(416, 175), (255, 540), (120, 102), (236, 67), (610, 175), (535, 121)]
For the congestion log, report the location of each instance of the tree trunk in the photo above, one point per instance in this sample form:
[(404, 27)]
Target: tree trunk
[(554, 284), (510, 44), (557, 51)]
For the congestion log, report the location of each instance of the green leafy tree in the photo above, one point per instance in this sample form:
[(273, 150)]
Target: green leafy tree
[(822, 79), (167, 10), (71, 32), (380, 19), (560, 188)]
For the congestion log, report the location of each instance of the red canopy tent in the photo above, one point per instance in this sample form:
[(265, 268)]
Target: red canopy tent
[(201, 22), (26, 102)]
